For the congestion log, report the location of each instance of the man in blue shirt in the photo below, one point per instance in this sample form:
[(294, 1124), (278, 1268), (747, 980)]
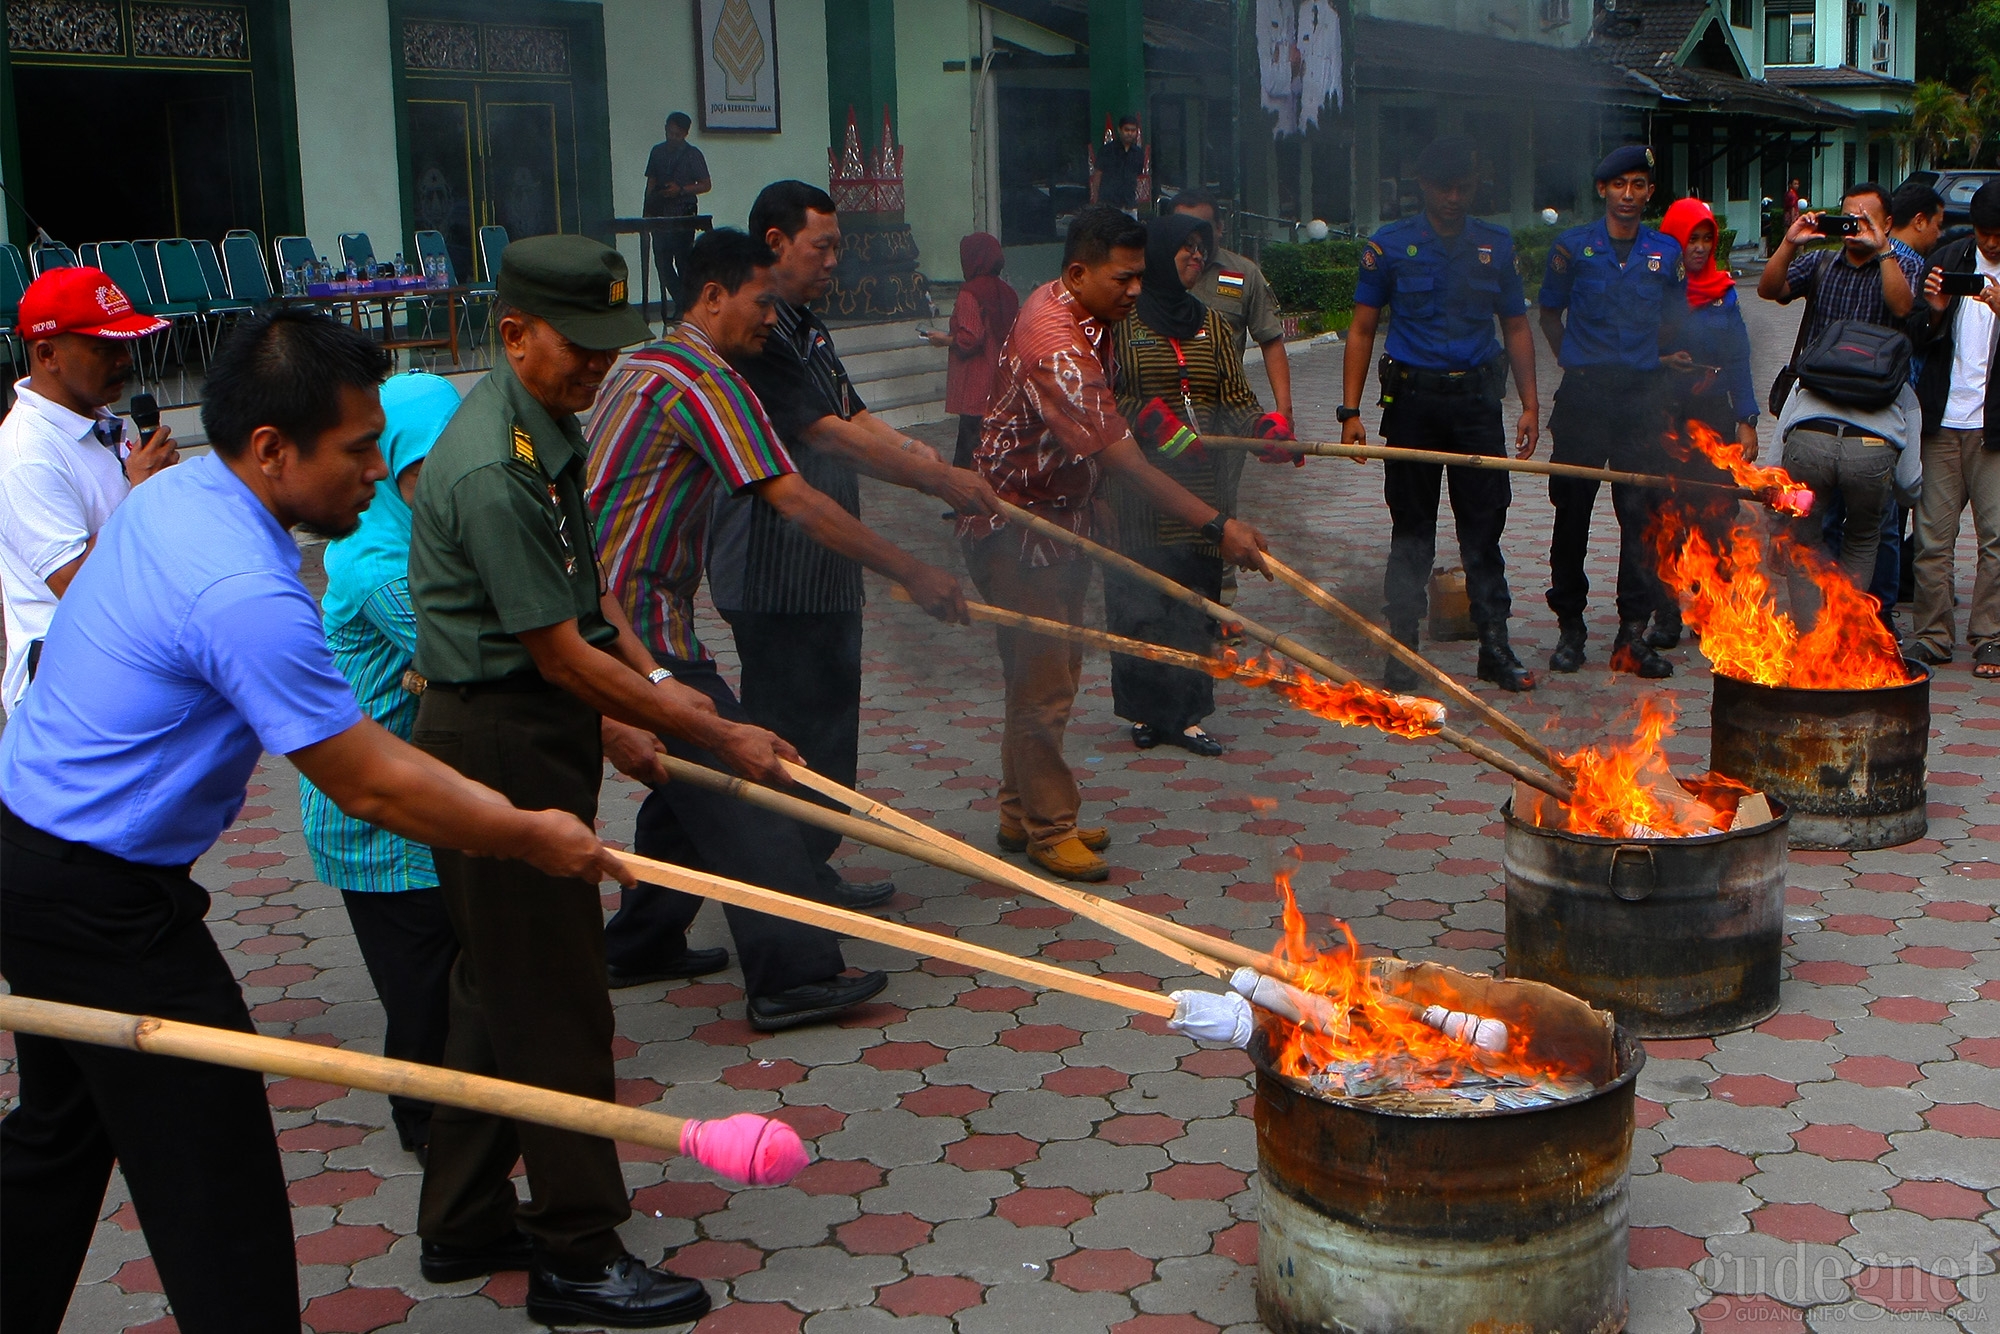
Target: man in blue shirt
[(1448, 276), (1623, 286), (185, 648)]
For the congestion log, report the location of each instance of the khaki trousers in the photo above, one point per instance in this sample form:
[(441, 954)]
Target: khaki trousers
[(1038, 793), (1958, 470), (1863, 475)]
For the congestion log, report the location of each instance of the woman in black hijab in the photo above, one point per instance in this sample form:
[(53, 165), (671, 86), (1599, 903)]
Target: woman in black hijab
[(1178, 374)]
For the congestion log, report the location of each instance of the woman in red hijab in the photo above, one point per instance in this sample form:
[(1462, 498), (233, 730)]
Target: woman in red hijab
[(1717, 390), (981, 319)]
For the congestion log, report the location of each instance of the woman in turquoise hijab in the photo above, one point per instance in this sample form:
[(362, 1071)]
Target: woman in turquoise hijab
[(386, 881)]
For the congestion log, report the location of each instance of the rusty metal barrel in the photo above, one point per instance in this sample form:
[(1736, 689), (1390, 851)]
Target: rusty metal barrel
[(1677, 937), (1380, 1222), (1851, 764)]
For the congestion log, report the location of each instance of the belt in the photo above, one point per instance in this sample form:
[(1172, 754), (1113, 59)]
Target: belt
[(21, 834), (1421, 379), (520, 683), (1841, 429)]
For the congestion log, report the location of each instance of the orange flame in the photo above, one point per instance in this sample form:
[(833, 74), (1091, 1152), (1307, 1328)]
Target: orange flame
[(1626, 791), (1382, 1030), (1731, 602), (1351, 705), (1781, 491)]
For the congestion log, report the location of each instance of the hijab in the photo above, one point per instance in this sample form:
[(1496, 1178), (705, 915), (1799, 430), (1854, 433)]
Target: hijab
[(1713, 282), (980, 259), (417, 405), (1165, 303)]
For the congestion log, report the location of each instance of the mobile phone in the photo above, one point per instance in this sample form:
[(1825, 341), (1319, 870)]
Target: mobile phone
[(923, 333), (1837, 224), (1961, 284)]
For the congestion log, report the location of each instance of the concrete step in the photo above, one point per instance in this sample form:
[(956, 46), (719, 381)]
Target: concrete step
[(902, 391)]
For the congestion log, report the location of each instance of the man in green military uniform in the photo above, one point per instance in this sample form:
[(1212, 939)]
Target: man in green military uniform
[(530, 677)]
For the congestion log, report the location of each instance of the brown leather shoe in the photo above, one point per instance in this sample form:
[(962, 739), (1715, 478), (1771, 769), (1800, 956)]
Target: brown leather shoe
[(1070, 860), (1097, 838)]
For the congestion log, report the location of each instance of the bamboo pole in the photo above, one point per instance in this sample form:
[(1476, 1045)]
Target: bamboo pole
[(896, 935), (1410, 658), (1489, 462), (1284, 644), (337, 1065)]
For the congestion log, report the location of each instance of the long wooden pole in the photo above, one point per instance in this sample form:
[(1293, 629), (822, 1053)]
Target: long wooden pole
[(337, 1065), (1285, 644), (1489, 462), (896, 935), (1410, 658)]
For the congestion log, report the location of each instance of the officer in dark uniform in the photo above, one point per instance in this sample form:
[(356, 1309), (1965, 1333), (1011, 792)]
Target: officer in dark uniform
[(1448, 276), (529, 675), (1624, 287)]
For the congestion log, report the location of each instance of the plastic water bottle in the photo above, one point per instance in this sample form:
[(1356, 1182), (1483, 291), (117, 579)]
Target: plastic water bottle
[(402, 269)]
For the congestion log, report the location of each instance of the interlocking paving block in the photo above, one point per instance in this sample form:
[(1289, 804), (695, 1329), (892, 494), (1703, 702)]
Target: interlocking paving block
[(1878, 1109), (393, 1205), (1183, 1096), (1230, 1140), (852, 1088), (1932, 1155), (949, 1027), (1021, 1308), (937, 1192), (1801, 1178), (995, 1069), (1799, 1272), (1662, 1301), (1094, 1167), (1040, 1114), (818, 1278), (1713, 1121), (1132, 1051), (1211, 1286), (1949, 1246), (463, 1315), (1700, 1208), (991, 1251), (1152, 1225), (1758, 1054), (819, 1044), (892, 1138), (874, 1320), (779, 1217)]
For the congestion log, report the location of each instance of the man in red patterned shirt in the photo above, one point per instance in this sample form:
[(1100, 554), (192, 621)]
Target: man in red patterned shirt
[(1052, 433)]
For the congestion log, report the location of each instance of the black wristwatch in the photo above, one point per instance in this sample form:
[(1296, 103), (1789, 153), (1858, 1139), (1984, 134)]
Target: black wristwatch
[(1344, 415), (1211, 532)]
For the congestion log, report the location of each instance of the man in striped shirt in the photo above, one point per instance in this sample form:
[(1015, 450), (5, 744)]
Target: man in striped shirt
[(672, 429)]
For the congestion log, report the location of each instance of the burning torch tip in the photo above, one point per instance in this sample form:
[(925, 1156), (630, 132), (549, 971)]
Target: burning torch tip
[(1794, 500)]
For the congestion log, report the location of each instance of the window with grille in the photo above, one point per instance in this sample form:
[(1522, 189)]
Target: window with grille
[(1883, 54), (1788, 33)]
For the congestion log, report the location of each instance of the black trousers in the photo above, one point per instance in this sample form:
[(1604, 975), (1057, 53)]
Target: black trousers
[(968, 439), (1606, 417), (801, 678), (1453, 424), (671, 248), (194, 1140), (408, 944), (715, 833), (528, 995), (1165, 698)]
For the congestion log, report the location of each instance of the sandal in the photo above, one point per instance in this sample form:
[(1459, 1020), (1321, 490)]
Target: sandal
[(1925, 654), (1986, 661)]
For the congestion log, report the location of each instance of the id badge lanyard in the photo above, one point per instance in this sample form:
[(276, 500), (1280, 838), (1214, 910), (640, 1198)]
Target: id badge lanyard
[(1187, 384)]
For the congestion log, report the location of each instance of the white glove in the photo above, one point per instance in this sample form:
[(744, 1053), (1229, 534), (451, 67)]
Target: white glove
[(1301, 1007), (1213, 1017)]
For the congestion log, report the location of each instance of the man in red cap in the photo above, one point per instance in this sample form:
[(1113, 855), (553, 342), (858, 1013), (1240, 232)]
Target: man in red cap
[(65, 463)]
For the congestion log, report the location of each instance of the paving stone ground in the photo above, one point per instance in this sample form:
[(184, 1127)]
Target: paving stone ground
[(990, 1158)]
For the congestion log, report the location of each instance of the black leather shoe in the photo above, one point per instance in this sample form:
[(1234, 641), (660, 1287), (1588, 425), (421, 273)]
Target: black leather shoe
[(1568, 656), (1197, 742), (1498, 664), (686, 964), (1631, 653), (812, 1002), (627, 1295), (1667, 629), (1143, 736), (860, 896), (454, 1264)]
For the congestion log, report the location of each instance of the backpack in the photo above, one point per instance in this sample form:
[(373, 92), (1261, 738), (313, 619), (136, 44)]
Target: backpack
[(1861, 365)]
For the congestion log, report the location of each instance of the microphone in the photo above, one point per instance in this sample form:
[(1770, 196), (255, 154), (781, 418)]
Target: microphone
[(145, 414)]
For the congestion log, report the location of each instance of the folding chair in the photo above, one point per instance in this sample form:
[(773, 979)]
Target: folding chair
[(181, 271), (149, 266), (356, 249), (13, 282), (211, 269), (46, 255), (430, 246), (120, 262), (243, 264), (492, 245), (293, 252), (86, 254)]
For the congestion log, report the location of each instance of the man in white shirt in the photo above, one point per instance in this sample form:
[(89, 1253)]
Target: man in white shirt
[(65, 463), (1958, 336)]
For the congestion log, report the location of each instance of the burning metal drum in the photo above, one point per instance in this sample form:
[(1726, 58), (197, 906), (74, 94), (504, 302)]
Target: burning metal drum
[(1849, 763), (1677, 937), (1373, 1220)]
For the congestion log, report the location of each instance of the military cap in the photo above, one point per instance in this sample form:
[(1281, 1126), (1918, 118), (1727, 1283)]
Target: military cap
[(1446, 160), (578, 285), (1623, 159)]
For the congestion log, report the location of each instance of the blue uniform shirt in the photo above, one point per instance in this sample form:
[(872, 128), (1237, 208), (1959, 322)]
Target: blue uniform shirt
[(1618, 316), (1445, 291), (185, 647)]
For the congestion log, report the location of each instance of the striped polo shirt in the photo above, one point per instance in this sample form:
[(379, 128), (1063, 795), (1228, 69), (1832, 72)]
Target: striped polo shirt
[(673, 423)]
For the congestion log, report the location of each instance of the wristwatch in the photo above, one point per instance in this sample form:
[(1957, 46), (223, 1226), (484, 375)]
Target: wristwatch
[(1211, 532), (1345, 414), (659, 674)]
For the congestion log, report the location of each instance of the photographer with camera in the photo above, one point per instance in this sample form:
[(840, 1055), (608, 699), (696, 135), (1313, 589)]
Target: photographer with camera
[(1848, 283)]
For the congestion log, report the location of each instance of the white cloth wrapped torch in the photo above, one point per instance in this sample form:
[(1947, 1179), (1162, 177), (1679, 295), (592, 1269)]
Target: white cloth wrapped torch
[(1226, 1016)]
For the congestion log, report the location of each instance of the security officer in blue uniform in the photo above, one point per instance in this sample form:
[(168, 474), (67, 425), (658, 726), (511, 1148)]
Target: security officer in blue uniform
[(1623, 286), (1447, 276)]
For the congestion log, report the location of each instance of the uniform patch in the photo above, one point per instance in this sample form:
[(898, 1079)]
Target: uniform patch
[(1230, 283), (617, 291), (1486, 254), (1411, 251), (524, 448), (1559, 259), (1588, 252), (1652, 263), (1368, 254), (1681, 275)]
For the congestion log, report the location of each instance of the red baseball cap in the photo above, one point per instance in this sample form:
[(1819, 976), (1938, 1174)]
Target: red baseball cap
[(80, 301)]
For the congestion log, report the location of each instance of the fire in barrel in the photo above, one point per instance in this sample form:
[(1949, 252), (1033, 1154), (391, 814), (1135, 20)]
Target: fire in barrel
[(1658, 898), (1450, 1155), (1827, 717)]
